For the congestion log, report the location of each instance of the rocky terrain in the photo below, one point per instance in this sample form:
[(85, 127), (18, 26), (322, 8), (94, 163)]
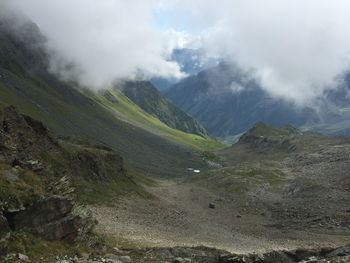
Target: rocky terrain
[(280, 190)]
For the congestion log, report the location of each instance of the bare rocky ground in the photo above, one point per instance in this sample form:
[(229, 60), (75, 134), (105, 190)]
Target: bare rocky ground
[(179, 215), (274, 194), (282, 196)]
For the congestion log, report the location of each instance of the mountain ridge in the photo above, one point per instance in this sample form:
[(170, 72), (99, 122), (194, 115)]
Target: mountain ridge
[(227, 101)]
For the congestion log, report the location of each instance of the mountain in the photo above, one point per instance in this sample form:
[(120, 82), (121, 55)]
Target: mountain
[(191, 61), (335, 110), (148, 98), (144, 141), (227, 101)]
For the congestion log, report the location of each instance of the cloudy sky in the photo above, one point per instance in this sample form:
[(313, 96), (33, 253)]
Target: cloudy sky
[(295, 47)]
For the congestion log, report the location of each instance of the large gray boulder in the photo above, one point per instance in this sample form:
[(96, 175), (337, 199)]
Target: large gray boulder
[(50, 218)]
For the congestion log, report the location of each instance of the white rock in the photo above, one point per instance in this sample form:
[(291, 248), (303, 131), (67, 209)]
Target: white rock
[(23, 257)]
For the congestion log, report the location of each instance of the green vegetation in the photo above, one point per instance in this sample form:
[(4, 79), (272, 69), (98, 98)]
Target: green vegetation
[(37, 249), (148, 98), (18, 187), (264, 130), (210, 156), (127, 110), (108, 193)]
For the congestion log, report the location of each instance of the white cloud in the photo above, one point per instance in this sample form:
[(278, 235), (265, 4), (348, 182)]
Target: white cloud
[(297, 47), (107, 39)]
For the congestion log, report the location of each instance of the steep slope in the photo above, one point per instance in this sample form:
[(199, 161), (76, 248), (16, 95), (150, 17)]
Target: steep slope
[(228, 101), (26, 83), (124, 109), (148, 98)]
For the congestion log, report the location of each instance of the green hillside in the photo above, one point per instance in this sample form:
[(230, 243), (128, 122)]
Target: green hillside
[(124, 109), (145, 95)]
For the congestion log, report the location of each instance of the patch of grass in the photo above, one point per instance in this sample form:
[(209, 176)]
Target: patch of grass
[(108, 193), (264, 130), (39, 250), (23, 189), (210, 156)]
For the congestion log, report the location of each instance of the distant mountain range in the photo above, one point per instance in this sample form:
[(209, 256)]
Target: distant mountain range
[(228, 101)]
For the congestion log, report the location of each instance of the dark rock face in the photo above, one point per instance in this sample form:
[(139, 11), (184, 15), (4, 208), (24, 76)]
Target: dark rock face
[(4, 228), (43, 212), (66, 228), (50, 219)]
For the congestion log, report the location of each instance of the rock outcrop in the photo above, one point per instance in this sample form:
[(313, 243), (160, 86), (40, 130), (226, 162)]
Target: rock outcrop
[(50, 218), (36, 190), (23, 139)]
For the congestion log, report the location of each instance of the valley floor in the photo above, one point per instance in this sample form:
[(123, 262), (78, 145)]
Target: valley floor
[(179, 215)]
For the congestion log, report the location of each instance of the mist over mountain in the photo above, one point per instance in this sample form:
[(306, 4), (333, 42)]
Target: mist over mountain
[(191, 61), (228, 101)]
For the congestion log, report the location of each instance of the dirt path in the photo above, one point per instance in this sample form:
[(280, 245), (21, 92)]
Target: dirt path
[(179, 215)]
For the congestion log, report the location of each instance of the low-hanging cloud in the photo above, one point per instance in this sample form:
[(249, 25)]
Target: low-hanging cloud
[(104, 40), (295, 47)]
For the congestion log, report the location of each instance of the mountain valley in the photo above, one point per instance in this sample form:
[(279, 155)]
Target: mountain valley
[(129, 173)]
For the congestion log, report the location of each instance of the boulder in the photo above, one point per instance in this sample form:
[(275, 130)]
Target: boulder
[(67, 228), (51, 218), (43, 212)]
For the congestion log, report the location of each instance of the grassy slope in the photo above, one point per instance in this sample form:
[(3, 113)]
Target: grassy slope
[(125, 109), (69, 112), (148, 98)]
